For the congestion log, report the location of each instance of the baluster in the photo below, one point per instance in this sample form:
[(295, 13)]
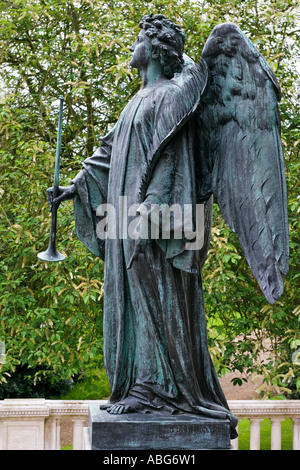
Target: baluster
[(1, 435), (275, 434), (235, 442), (58, 425), (255, 433), (50, 434), (296, 434), (78, 433)]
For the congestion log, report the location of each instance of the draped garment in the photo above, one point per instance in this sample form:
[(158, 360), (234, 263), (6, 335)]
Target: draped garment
[(155, 339)]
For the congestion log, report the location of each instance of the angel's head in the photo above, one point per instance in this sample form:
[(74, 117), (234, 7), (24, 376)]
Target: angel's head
[(163, 41)]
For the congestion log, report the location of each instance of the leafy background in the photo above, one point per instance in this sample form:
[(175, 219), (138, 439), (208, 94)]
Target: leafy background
[(51, 314)]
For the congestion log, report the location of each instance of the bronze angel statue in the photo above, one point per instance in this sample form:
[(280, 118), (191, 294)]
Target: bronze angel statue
[(193, 131)]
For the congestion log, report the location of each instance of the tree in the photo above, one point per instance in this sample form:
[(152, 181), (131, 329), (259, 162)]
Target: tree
[(51, 315)]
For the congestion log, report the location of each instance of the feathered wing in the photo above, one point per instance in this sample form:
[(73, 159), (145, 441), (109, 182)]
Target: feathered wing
[(240, 153)]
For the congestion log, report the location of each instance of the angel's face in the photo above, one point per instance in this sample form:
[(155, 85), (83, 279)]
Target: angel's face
[(141, 51)]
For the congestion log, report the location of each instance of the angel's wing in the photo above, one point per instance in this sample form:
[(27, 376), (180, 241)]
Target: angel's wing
[(241, 158)]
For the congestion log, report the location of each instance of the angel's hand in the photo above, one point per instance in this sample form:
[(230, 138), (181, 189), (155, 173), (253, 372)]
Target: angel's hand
[(65, 193)]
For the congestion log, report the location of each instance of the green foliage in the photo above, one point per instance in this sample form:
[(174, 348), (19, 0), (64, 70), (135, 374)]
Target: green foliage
[(93, 385), (46, 319), (51, 314), (23, 384)]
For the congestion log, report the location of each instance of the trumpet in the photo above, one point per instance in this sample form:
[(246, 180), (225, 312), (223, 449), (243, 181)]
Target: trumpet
[(51, 254)]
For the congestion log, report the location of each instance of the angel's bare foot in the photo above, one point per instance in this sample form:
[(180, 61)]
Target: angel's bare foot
[(128, 405)]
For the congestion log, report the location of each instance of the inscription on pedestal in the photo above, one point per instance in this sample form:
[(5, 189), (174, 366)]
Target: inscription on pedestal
[(137, 431)]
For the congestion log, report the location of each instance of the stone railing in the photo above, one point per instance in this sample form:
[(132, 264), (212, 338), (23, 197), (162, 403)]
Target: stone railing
[(36, 423), (275, 410)]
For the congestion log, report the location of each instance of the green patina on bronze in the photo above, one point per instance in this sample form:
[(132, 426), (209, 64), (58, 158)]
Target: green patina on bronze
[(192, 132)]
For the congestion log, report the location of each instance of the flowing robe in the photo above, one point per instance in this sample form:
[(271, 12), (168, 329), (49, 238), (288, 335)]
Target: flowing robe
[(155, 340)]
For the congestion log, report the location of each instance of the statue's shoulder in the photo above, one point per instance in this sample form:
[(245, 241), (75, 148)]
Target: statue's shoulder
[(184, 90), (187, 87), (192, 76)]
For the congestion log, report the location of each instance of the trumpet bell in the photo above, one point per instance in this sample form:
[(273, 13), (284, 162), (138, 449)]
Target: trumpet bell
[(51, 255)]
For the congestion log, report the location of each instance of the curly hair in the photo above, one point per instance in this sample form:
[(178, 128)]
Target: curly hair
[(168, 38)]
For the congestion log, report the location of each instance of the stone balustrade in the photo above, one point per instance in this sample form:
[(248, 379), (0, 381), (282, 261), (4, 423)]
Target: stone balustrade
[(275, 410), (27, 424)]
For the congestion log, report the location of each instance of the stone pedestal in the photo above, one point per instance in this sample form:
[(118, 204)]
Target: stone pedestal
[(137, 431)]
